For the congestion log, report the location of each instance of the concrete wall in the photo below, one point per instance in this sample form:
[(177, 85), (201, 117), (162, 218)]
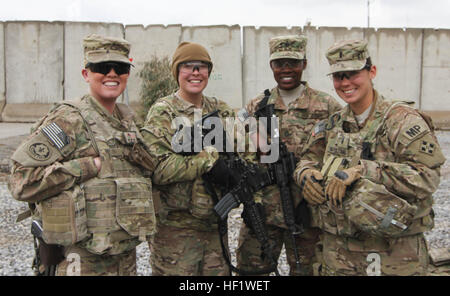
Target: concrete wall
[(74, 84), (2, 69), (40, 62), (34, 71)]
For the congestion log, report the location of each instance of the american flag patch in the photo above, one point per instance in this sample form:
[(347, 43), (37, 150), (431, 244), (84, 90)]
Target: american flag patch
[(56, 135)]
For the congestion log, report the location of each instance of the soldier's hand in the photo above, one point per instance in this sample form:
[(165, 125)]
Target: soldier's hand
[(337, 186), (312, 190), (221, 174)]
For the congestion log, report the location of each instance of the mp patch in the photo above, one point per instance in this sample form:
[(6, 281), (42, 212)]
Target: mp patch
[(416, 130), (39, 151)]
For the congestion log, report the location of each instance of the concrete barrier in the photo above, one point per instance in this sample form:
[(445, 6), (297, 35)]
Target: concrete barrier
[(147, 42), (34, 72), (74, 32), (40, 62), (224, 46)]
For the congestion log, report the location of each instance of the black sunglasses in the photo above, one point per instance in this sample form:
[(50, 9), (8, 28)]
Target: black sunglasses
[(348, 74), (105, 67)]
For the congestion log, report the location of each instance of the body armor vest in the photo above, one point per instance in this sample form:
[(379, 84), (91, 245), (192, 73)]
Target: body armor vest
[(115, 206), (367, 207)]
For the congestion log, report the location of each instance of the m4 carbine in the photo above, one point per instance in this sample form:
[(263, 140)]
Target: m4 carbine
[(281, 172), (235, 177)]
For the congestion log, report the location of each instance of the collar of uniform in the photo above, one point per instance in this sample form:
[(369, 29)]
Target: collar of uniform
[(185, 106), (302, 102), (377, 110), (275, 99), (102, 110)]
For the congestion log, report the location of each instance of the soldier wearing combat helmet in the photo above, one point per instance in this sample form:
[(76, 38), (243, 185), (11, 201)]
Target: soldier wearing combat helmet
[(298, 108), (370, 171), (83, 171)]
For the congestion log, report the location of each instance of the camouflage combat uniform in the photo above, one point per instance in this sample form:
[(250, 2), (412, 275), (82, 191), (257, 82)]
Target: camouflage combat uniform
[(112, 208), (379, 228), (187, 241), (295, 121), (99, 217)]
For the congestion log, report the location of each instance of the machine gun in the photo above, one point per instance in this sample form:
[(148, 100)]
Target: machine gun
[(237, 181)]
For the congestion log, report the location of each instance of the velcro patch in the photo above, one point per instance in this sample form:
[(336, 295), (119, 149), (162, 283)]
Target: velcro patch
[(427, 147), (130, 138), (56, 135), (319, 127)]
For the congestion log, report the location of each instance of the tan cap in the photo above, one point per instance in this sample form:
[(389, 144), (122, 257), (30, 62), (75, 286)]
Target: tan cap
[(288, 47), (189, 51), (99, 49), (347, 55)]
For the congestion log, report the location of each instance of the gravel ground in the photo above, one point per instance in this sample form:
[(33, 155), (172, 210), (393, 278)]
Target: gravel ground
[(16, 243)]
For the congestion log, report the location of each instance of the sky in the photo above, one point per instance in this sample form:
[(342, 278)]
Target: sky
[(334, 13)]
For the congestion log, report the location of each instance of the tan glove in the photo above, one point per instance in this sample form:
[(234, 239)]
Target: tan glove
[(337, 186), (312, 190)]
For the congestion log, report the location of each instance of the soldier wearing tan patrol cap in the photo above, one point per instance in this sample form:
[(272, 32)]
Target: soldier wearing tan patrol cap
[(82, 172), (379, 164), (298, 108)]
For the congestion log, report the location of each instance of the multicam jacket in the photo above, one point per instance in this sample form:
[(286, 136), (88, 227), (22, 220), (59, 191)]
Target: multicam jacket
[(107, 211), (184, 201), (295, 124), (400, 159)]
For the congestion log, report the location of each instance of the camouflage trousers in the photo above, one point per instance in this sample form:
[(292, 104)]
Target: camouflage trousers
[(187, 252), (78, 261), (404, 256), (249, 253)]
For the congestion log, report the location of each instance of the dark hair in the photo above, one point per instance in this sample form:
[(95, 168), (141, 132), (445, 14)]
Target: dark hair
[(368, 64)]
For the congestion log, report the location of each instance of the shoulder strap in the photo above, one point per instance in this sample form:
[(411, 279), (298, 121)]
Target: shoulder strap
[(76, 104)]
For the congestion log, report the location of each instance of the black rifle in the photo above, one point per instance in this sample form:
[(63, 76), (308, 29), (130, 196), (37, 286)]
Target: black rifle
[(48, 255), (240, 182), (281, 173)]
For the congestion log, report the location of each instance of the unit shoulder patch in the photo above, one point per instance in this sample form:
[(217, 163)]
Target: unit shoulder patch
[(39, 151)]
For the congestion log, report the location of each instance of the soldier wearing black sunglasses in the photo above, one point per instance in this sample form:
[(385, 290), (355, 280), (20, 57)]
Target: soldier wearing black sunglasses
[(84, 175)]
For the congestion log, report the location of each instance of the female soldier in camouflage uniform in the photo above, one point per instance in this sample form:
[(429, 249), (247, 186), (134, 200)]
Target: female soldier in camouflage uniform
[(299, 108), (377, 163), (187, 241), (82, 171)]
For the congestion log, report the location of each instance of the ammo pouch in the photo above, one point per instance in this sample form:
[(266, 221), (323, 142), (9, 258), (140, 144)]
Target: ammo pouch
[(201, 204), (64, 217), (134, 206), (375, 210)]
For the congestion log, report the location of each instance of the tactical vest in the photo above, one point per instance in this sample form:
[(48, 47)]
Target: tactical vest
[(199, 204), (113, 208), (367, 207)]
